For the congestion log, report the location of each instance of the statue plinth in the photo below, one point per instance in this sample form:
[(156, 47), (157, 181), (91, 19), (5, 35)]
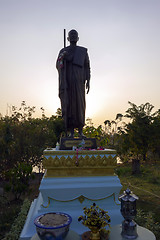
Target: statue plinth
[(69, 163), (74, 180), (69, 143)]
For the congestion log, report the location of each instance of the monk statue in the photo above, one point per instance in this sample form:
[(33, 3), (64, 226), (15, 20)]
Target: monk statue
[(74, 75)]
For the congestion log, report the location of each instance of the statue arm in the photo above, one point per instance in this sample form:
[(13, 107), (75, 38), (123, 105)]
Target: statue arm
[(60, 60), (60, 68), (88, 74)]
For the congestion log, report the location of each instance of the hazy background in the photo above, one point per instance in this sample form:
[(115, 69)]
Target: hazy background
[(123, 41)]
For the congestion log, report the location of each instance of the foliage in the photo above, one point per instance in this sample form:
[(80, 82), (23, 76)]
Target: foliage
[(95, 216), (8, 211), (92, 132), (147, 220), (140, 137), (148, 210), (155, 136), (23, 138), (123, 171), (139, 129), (147, 191), (18, 222), (18, 179), (151, 173)]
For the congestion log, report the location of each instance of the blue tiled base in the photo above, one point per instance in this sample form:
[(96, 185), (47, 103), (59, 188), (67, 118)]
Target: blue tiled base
[(70, 195)]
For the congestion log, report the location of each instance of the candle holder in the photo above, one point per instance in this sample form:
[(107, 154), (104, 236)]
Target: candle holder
[(128, 211)]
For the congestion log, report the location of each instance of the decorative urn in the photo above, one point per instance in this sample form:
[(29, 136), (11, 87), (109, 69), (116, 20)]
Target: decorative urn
[(53, 225), (128, 211)]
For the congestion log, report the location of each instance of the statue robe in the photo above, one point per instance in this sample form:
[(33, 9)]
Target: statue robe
[(72, 79)]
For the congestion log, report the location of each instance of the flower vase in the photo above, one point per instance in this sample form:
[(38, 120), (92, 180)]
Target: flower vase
[(95, 233)]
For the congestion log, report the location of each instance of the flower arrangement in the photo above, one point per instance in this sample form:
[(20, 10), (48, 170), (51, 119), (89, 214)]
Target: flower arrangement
[(95, 217)]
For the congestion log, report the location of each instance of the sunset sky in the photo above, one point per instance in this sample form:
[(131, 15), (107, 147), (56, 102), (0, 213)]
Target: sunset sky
[(123, 41)]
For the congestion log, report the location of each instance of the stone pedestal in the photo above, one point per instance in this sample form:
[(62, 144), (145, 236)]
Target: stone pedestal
[(74, 180), (71, 194), (68, 163), (68, 143)]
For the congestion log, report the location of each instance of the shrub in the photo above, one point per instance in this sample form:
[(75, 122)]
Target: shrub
[(147, 220), (18, 179), (19, 222), (123, 171)]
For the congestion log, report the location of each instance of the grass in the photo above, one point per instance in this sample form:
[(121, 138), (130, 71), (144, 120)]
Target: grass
[(146, 186)]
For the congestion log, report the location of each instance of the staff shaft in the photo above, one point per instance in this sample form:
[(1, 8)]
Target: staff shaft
[(65, 87), (64, 38)]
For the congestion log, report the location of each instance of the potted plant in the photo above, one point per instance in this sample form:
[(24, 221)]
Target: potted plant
[(52, 225), (96, 219)]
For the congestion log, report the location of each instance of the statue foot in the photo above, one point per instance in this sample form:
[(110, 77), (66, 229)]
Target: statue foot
[(81, 135), (71, 135)]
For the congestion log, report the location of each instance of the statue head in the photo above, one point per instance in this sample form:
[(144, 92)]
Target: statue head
[(73, 36)]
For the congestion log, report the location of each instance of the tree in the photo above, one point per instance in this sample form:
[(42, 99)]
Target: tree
[(107, 124), (139, 129), (155, 138), (135, 137), (92, 132), (18, 179), (23, 137)]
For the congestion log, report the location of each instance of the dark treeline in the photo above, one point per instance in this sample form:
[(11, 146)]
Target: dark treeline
[(22, 141), (139, 138), (23, 138)]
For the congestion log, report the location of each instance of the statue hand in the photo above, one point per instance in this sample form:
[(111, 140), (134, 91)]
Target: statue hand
[(88, 86)]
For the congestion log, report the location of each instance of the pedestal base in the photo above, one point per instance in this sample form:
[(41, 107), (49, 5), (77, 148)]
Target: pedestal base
[(74, 180), (68, 143), (70, 195), (68, 163)]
